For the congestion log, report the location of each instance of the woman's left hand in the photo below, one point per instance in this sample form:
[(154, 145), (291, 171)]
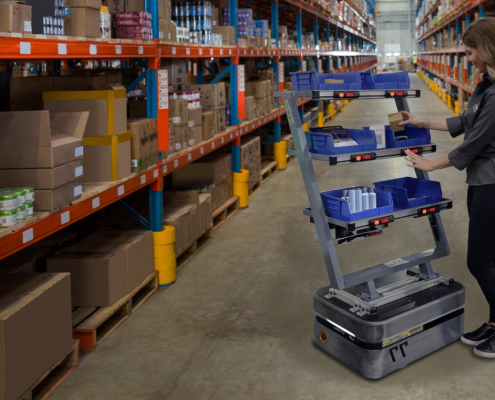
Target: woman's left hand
[(418, 162)]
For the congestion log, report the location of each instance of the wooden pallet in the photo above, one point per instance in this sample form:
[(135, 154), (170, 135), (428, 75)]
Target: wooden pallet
[(91, 325), (254, 189), (194, 249), (224, 212), (268, 171), (55, 376)]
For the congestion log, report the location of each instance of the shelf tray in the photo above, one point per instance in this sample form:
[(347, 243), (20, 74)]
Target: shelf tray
[(351, 226), (380, 154), (357, 94)]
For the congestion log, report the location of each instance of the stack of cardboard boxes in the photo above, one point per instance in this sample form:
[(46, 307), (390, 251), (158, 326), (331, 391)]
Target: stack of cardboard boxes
[(262, 92), (107, 142), (44, 150), (105, 266), (15, 17), (251, 158), (213, 98), (212, 174), (190, 213), (83, 19), (179, 115)]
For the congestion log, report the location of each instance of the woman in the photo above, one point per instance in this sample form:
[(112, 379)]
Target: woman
[(477, 155)]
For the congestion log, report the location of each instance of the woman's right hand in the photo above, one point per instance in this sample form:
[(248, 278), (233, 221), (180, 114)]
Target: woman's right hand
[(411, 120)]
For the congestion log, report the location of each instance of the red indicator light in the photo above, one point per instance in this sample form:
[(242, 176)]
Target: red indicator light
[(358, 158), (363, 157), (341, 94), (429, 210), (378, 222), (424, 211), (392, 94)]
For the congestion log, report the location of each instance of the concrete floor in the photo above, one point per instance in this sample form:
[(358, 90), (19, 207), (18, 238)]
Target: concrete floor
[(238, 323)]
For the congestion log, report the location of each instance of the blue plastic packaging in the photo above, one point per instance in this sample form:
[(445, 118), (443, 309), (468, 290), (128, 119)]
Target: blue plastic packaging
[(337, 208), (322, 143), (416, 136), (411, 192)]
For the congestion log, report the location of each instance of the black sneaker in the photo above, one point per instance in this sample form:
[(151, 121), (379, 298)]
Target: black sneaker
[(479, 335), (487, 348)]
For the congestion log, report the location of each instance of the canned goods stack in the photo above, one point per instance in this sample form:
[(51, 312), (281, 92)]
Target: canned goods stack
[(261, 28), (16, 205), (182, 35), (134, 25), (196, 17), (55, 25), (192, 97), (245, 23)]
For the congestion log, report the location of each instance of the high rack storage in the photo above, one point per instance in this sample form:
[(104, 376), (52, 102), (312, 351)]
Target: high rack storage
[(442, 61), (377, 320), (64, 50)]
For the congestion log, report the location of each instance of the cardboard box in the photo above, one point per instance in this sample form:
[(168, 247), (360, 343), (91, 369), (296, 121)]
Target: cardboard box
[(211, 96), (15, 17), (214, 16), (114, 6), (168, 30), (219, 121), (180, 136), (35, 330), (394, 120), (208, 125), (251, 158), (138, 246), (134, 5), (249, 103), (27, 93), (221, 193), (38, 139), (178, 111), (210, 169), (95, 4), (177, 70), (153, 134), (83, 22), (227, 32), (195, 135), (107, 158), (256, 114), (98, 276), (108, 108), (140, 144), (256, 89), (173, 217), (195, 116), (53, 199), (42, 178), (251, 113), (206, 210)]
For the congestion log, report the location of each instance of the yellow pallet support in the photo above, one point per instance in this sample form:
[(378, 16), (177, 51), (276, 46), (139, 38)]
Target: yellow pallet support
[(321, 119), (331, 110), (280, 151), (241, 188), (164, 258)]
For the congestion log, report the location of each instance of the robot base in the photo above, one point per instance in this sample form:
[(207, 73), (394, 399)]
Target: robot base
[(375, 346)]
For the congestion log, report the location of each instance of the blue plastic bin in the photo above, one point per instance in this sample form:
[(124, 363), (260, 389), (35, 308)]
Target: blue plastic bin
[(367, 80), (322, 143), (416, 136), (396, 80), (411, 192), (310, 80), (337, 208)]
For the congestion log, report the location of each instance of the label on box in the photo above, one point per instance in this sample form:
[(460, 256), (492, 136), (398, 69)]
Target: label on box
[(79, 151), (28, 26), (176, 120), (191, 143), (136, 163), (160, 35), (79, 171), (178, 146), (78, 190), (190, 124), (67, 11)]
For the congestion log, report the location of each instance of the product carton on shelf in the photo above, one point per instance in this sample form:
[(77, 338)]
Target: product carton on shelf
[(219, 120), (251, 158), (212, 169), (178, 111), (198, 219), (40, 139), (208, 119), (140, 144), (206, 210), (114, 6), (15, 17), (227, 32), (108, 109), (168, 30), (35, 329), (54, 199), (212, 96), (107, 158), (134, 5), (177, 70), (94, 4), (83, 22), (195, 116), (195, 135)]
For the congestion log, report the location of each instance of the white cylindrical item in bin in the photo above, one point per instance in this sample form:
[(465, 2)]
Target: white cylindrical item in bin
[(345, 192), (352, 201), (359, 201), (366, 201), (372, 200)]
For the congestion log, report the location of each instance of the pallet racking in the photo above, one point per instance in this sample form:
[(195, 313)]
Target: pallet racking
[(441, 56), (16, 47)]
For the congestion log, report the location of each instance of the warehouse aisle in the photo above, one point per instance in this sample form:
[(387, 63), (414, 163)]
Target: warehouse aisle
[(238, 322)]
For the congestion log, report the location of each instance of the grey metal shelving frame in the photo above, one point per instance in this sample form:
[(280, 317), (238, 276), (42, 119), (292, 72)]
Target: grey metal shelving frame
[(369, 297)]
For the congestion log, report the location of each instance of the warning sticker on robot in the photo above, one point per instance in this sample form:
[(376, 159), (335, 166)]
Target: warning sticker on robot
[(394, 263), (403, 336)]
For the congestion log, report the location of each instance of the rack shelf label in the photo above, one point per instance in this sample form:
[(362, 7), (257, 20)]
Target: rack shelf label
[(27, 235), (64, 217), (95, 203), (62, 49)]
